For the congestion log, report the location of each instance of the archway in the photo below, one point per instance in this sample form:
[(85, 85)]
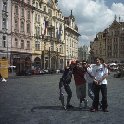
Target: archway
[(37, 62), (27, 63), (53, 62)]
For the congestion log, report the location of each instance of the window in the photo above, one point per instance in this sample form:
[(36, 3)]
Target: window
[(5, 6), (22, 12), (22, 44), (28, 45), (37, 45), (28, 28), (28, 14), (36, 17), (4, 41), (38, 30), (16, 10), (36, 5), (44, 8), (4, 23), (16, 43), (16, 24), (50, 12), (22, 26)]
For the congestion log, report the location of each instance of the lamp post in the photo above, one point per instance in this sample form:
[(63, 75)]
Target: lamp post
[(49, 56)]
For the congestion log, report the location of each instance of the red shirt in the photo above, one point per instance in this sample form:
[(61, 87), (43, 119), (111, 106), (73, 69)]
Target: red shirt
[(78, 73)]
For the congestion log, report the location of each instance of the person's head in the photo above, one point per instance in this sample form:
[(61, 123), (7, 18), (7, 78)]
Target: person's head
[(73, 63), (101, 60), (97, 60), (84, 63), (78, 63)]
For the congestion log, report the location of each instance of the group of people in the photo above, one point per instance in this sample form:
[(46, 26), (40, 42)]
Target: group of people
[(93, 74)]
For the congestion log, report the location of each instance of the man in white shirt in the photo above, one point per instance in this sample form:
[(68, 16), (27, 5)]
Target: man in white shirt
[(99, 72)]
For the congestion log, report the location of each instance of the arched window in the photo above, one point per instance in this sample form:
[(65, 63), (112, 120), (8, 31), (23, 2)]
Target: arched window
[(16, 42), (28, 28), (28, 45), (5, 6), (22, 44), (28, 14), (16, 9), (22, 12), (22, 26)]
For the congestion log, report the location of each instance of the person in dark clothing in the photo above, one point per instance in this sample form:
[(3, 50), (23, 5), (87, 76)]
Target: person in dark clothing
[(64, 84), (1, 77)]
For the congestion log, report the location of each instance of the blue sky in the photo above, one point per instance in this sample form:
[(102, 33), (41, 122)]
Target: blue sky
[(92, 16)]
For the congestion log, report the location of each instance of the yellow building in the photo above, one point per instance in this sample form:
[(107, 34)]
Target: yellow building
[(48, 41)]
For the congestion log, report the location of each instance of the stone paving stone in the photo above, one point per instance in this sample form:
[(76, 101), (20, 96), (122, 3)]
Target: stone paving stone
[(34, 100)]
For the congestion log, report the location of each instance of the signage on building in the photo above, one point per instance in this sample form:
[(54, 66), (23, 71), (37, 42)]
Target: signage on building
[(4, 68)]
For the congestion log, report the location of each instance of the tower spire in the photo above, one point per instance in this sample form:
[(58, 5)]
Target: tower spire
[(71, 12), (115, 17)]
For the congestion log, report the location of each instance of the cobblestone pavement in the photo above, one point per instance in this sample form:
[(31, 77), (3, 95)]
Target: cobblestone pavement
[(34, 100)]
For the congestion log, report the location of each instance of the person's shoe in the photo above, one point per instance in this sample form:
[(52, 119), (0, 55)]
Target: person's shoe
[(69, 106), (100, 105), (105, 110), (85, 103), (64, 107), (93, 110)]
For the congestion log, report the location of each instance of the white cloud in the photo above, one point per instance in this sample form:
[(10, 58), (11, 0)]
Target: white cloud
[(92, 16)]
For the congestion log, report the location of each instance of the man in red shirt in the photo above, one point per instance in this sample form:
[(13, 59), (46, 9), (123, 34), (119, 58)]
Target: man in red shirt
[(80, 82)]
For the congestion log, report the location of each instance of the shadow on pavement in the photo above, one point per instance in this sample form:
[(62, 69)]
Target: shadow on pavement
[(58, 108)]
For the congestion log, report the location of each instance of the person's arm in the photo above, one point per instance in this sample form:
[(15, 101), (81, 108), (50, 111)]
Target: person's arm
[(104, 76)]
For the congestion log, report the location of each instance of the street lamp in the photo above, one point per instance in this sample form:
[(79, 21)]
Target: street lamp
[(49, 55)]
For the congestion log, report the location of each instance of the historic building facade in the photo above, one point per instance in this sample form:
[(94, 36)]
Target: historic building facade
[(109, 44), (71, 39), (48, 43), (35, 34), (21, 34), (83, 53), (5, 28)]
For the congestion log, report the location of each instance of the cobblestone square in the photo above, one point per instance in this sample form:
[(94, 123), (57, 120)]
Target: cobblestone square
[(34, 100)]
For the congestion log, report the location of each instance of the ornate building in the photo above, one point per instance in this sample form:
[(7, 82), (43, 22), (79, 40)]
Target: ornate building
[(5, 28), (48, 43), (83, 53), (109, 44), (35, 34), (71, 39), (21, 34)]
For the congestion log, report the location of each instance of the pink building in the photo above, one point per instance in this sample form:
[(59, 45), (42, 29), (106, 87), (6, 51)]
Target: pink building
[(21, 34)]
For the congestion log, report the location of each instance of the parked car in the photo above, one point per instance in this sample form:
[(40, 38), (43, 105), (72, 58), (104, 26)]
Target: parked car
[(57, 71), (46, 71), (38, 71)]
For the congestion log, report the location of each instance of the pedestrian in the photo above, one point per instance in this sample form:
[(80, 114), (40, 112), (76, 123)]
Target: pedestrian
[(64, 84), (100, 73), (89, 81), (1, 77), (80, 83)]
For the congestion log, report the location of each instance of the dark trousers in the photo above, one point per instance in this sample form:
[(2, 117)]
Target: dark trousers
[(68, 90), (97, 89)]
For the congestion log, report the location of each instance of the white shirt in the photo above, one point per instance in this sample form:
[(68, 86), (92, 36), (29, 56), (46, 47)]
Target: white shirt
[(87, 76), (98, 72)]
